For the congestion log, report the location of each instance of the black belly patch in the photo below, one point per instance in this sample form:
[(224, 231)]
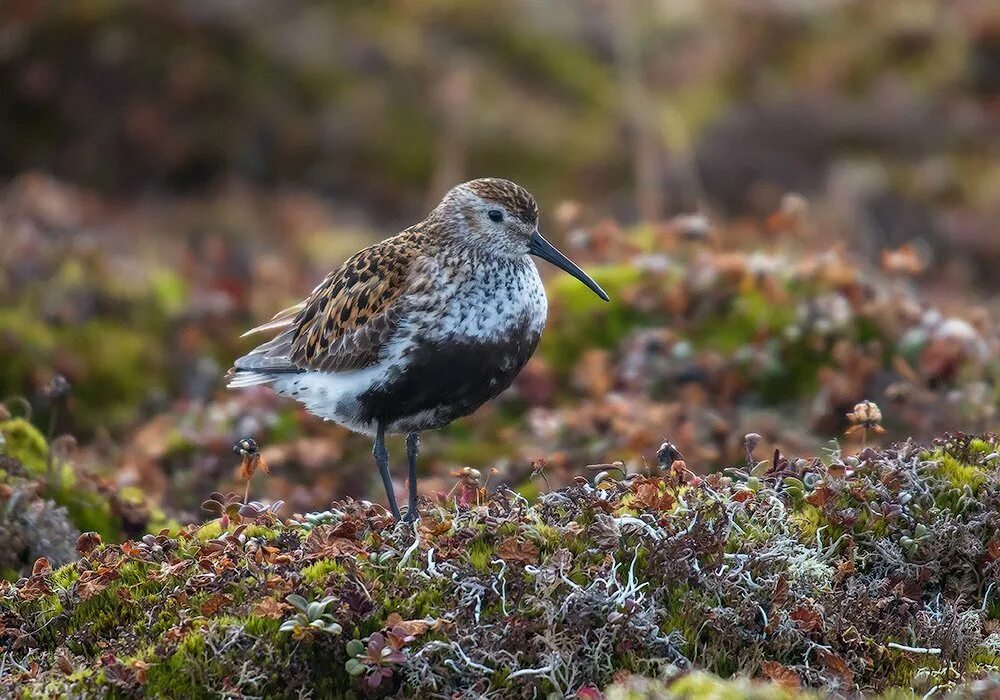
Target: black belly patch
[(449, 379)]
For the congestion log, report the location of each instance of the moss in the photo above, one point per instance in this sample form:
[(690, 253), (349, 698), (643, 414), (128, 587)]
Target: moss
[(958, 473), (263, 627), (116, 380), (724, 586), (181, 675), (808, 519), (480, 555), (65, 576), (262, 531), (317, 574), (209, 531), (25, 443), (993, 608), (700, 685), (88, 510)]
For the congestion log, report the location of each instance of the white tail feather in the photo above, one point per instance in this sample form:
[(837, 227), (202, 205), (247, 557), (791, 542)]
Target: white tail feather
[(243, 379)]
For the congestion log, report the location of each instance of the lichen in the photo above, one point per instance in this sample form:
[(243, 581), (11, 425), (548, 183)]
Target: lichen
[(863, 583)]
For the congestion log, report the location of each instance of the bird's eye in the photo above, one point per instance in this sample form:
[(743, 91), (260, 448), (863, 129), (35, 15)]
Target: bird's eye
[(495, 215)]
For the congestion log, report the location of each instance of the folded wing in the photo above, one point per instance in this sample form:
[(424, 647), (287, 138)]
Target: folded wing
[(345, 322)]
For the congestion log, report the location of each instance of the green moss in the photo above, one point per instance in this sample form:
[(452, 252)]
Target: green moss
[(699, 685), (209, 531), (88, 511), (808, 519), (262, 531), (957, 473), (182, 674), (118, 357), (480, 555), (65, 576), (165, 619), (317, 574), (26, 444), (263, 627)]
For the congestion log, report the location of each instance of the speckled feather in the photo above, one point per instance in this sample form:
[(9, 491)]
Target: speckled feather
[(351, 315), (373, 338)]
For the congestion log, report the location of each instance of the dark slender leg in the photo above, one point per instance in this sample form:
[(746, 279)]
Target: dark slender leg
[(412, 448), (382, 460)]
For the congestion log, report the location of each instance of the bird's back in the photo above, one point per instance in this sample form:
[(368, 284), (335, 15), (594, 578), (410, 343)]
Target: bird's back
[(347, 319)]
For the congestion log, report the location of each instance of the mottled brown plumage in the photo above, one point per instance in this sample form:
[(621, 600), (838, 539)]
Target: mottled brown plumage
[(355, 310), (420, 329)]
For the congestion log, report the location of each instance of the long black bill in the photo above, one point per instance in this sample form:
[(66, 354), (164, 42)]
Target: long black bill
[(546, 251)]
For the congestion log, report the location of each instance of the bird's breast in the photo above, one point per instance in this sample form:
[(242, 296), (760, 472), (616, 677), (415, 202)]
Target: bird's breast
[(485, 304)]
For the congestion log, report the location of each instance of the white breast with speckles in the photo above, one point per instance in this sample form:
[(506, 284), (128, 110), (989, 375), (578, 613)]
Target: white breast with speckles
[(488, 301)]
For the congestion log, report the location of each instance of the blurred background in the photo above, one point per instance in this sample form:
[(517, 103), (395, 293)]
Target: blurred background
[(794, 204)]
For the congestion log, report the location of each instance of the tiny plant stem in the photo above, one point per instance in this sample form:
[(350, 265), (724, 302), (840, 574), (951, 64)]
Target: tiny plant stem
[(49, 461)]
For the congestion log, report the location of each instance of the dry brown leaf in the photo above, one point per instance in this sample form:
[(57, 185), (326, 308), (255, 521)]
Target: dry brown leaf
[(41, 567), (92, 582), (87, 543), (64, 661), (513, 549), (808, 619), (782, 675), (648, 494), (412, 627), (271, 608), (141, 668), (820, 497), (838, 666), (215, 603)]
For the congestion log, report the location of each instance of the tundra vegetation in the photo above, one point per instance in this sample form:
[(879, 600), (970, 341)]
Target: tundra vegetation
[(873, 572)]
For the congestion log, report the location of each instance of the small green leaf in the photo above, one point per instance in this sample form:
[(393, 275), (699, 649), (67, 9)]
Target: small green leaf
[(298, 601)]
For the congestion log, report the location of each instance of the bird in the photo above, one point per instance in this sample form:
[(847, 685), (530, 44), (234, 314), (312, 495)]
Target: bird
[(420, 329)]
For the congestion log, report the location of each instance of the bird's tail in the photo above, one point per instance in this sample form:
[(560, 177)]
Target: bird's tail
[(263, 364), (240, 378)]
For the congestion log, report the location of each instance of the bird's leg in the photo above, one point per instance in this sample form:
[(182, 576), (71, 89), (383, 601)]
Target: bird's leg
[(412, 448), (381, 455)]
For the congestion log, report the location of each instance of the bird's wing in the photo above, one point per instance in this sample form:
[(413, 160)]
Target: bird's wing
[(347, 319), (282, 319)]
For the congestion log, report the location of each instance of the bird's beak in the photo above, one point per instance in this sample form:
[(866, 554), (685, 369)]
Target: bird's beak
[(546, 251)]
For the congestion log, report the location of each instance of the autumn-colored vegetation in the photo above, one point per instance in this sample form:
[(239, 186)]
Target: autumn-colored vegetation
[(871, 572)]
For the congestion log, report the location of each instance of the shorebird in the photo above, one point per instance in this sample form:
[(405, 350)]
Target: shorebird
[(420, 329)]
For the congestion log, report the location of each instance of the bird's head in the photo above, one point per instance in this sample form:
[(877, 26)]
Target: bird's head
[(500, 218)]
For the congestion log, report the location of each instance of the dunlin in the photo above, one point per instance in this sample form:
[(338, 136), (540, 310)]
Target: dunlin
[(420, 329)]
